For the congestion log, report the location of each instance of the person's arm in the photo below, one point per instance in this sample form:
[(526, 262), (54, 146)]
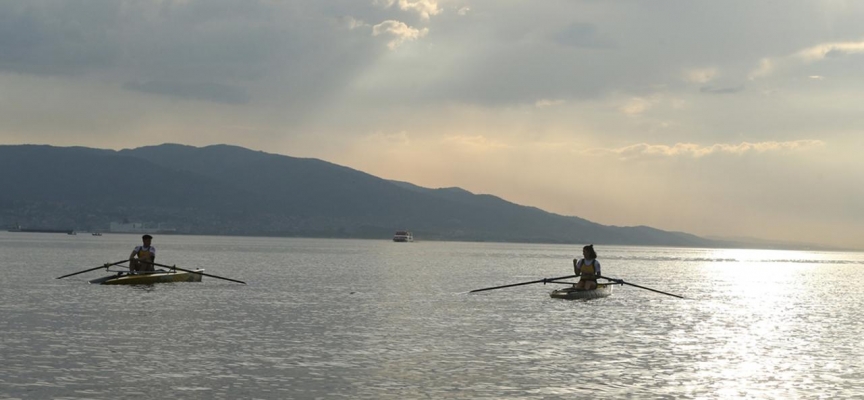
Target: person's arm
[(132, 255), (597, 268), (576, 266)]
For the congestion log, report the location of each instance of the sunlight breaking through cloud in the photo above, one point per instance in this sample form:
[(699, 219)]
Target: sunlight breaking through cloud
[(426, 8), (695, 150), (767, 66), (824, 50), (400, 30)]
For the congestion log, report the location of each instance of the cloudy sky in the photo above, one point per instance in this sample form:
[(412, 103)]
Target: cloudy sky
[(719, 118)]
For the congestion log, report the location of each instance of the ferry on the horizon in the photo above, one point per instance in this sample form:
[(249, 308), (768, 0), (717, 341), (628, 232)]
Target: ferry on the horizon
[(403, 236)]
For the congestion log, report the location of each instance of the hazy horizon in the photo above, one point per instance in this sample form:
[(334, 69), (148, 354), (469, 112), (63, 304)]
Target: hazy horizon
[(723, 119)]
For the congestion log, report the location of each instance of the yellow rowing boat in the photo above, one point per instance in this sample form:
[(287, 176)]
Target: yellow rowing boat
[(571, 293), (147, 278)]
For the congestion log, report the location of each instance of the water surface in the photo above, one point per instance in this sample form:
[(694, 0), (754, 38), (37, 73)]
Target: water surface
[(380, 320)]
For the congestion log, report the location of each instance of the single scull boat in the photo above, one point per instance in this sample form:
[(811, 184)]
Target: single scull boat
[(571, 293), (147, 278)]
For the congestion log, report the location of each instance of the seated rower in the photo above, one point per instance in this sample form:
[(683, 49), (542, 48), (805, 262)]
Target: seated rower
[(142, 257), (588, 269)]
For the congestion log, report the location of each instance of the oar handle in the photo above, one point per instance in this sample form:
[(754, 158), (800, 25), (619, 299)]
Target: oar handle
[(562, 282), (194, 272), (544, 281), (92, 269)]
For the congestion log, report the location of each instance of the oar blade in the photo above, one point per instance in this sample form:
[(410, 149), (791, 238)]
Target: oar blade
[(214, 276)]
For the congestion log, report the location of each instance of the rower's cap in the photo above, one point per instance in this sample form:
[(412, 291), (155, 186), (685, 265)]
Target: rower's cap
[(146, 237)]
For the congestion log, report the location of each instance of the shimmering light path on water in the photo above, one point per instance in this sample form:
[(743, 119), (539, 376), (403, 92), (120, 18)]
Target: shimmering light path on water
[(380, 320)]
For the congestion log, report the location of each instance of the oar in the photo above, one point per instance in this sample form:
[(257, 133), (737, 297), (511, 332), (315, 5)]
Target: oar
[(621, 281), (194, 272), (544, 280), (93, 269)]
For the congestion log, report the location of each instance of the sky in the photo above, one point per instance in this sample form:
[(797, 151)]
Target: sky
[(733, 118)]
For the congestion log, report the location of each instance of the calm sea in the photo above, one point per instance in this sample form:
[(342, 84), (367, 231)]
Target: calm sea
[(361, 319)]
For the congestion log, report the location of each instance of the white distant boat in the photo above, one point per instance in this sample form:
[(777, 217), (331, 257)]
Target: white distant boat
[(403, 236)]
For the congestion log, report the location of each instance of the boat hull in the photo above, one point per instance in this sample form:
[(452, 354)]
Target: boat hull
[(151, 278), (403, 237), (570, 293)]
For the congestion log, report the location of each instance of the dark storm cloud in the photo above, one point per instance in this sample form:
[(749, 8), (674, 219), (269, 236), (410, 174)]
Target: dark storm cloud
[(216, 50), (208, 91), (56, 38)]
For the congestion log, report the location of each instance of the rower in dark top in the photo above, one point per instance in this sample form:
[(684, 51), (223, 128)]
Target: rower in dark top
[(588, 269), (144, 252)]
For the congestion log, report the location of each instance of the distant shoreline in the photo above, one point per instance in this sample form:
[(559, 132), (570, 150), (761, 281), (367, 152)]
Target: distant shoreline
[(728, 245)]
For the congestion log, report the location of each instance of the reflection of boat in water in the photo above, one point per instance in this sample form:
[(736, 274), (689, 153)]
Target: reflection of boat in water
[(147, 278), (403, 236), (96, 234), (571, 293)]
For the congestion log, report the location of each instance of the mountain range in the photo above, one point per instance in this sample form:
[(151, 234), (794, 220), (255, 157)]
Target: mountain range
[(229, 190)]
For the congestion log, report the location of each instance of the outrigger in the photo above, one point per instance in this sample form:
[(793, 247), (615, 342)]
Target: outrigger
[(170, 273), (149, 277), (571, 293)]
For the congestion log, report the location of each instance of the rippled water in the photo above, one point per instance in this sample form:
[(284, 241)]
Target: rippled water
[(380, 320)]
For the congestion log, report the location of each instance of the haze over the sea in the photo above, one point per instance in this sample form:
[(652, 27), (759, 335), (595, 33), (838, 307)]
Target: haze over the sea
[(721, 119)]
